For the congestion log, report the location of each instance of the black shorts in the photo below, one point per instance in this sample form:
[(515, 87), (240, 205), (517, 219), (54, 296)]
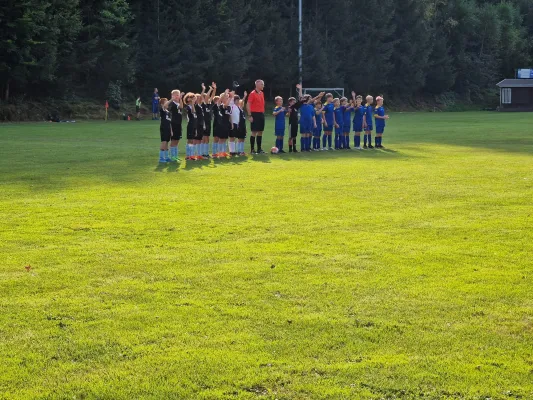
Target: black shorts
[(199, 133), (259, 122), (241, 132), (207, 130), (234, 132), (165, 134), (137, 108), (294, 130), (176, 131), (223, 132), (191, 132)]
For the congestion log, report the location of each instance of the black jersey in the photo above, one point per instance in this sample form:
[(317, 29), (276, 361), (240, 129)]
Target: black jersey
[(293, 115), (165, 119), (206, 108), (215, 110), (199, 116), (175, 113), (242, 121), (225, 122), (192, 118)]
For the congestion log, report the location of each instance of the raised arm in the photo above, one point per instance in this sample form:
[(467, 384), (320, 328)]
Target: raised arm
[(300, 90), (320, 95), (213, 92)]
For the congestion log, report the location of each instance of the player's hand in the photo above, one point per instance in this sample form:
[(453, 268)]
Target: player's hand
[(353, 93), (203, 86), (213, 85), (321, 94), (336, 125), (315, 125), (245, 93), (251, 119), (386, 117), (298, 86)]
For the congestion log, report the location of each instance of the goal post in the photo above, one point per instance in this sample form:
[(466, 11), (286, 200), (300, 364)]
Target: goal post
[(336, 92)]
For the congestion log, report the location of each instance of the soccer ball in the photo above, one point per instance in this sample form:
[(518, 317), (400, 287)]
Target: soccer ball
[(274, 150)]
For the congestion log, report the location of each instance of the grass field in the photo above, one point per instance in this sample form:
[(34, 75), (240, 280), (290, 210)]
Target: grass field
[(397, 274)]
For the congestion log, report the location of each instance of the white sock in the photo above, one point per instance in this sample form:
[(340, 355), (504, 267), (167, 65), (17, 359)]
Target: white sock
[(162, 154)]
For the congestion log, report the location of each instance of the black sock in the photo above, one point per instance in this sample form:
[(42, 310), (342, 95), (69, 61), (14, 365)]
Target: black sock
[(252, 142), (259, 141), (290, 147)]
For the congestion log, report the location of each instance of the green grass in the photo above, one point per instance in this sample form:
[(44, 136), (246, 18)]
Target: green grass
[(396, 274)]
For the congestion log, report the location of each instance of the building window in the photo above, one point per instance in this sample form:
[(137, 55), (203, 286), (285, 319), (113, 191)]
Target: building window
[(506, 96)]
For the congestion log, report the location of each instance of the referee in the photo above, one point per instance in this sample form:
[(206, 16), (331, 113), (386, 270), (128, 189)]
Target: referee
[(256, 114)]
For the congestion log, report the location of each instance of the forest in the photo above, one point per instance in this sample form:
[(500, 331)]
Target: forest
[(117, 49)]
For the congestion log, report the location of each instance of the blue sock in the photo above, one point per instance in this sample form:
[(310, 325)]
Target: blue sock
[(166, 154), (281, 144), (347, 141), (324, 139), (278, 144), (309, 143), (302, 143), (365, 139), (329, 141), (161, 155), (357, 140), (370, 140)]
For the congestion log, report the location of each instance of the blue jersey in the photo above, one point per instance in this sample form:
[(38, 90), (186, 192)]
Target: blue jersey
[(380, 122), (280, 119), (307, 112), (328, 114), (347, 117), (368, 114), (339, 115), (359, 115), (318, 116)]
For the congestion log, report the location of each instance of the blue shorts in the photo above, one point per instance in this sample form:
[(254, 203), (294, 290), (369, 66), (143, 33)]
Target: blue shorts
[(380, 129), (280, 131), (346, 128), (358, 127), (369, 128), (155, 108), (306, 127), (317, 132), (338, 131), (329, 126)]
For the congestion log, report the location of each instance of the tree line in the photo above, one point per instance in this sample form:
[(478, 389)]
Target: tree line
[(100, 48)]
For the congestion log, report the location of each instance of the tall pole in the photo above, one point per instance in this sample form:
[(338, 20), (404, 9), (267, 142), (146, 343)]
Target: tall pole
[(300, 73)]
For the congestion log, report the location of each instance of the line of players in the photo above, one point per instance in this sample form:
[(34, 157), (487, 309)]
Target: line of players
[(225, 114), (319, 121)]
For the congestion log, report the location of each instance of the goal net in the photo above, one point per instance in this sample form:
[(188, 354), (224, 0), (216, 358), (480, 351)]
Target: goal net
[(336, 92)]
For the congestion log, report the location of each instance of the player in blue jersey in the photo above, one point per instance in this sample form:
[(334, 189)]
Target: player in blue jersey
[(328, 119), (308, 120), (279, 128), (369, 113), (339, 119), (358, 120), (155, 104), (317, 132), (346, 122), (380, 117), (307, 123)]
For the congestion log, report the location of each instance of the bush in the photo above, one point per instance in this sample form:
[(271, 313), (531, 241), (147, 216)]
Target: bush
[(114, 94)]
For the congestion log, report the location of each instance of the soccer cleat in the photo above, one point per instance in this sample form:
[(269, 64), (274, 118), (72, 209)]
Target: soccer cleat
[(294, 150), (370, 146), (282, 151), (324, 149), (365, 147), (261, 151), (163, 160), (348, 148), (332, 149), (243, 154), (358, 148), (200, 158)]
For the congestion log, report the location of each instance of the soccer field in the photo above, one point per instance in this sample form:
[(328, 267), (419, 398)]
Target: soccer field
[(397, 274)]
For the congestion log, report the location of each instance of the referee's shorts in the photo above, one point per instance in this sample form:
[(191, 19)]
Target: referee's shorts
[(258, 124)]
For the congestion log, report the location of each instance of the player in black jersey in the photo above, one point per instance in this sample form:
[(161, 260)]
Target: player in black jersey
[(200, 124), (215, 110), (225, 123), (165, 131), (190, 101), (207, 109), (175, 106)]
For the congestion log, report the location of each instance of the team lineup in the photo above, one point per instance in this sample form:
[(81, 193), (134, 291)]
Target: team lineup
[(317, 118)]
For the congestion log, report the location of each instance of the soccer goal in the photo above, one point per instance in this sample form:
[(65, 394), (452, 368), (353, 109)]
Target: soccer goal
[(336, 92)]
